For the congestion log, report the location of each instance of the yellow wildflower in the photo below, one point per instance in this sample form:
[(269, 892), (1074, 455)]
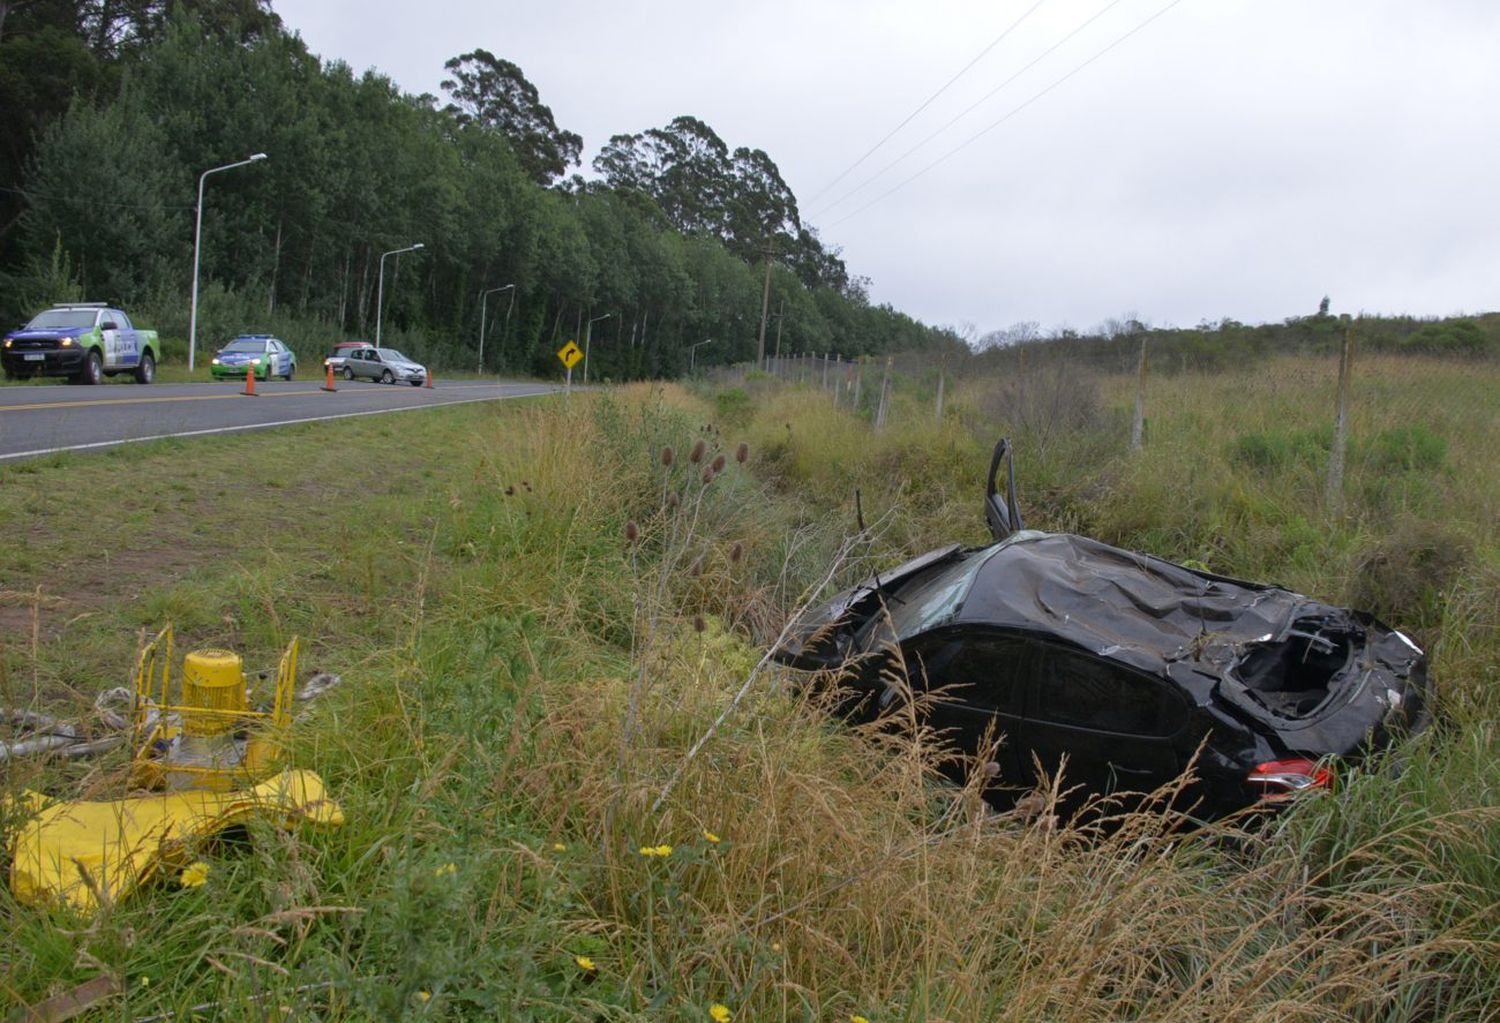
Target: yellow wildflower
[(423, 996), (446, 870), (711, 836), (194, 874), (656, 850), (559, 847), (858, 1019), (585, 964), (145, 981), (720, 1013)]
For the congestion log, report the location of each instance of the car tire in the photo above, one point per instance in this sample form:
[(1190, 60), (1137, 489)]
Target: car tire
[(93, 368), (145, 372), (289, 371), (348, 373), (387, 377)]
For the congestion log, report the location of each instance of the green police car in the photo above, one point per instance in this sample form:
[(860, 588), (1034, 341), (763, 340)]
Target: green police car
[(261, 354)]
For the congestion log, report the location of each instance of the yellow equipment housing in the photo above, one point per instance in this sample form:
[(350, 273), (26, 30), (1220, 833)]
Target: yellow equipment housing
[(203, 734), (86, 855)]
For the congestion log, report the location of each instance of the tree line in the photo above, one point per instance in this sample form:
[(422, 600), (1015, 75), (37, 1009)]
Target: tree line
[(111, 109)]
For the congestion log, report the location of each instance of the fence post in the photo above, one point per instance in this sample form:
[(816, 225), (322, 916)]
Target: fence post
[(885, 395), (859, 382), (942, 377), (1138, 427), (1335, 499)]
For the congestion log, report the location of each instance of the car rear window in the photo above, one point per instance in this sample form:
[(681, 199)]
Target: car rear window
[(931, 600)]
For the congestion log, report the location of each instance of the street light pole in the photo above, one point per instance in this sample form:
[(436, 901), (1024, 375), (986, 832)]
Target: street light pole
[(380, 289), (483, 304), (693, 351), (588, 332), (197, 241)]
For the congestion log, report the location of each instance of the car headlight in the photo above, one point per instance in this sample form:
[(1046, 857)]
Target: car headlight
[(67, 342), (255, 362), (214, 362), (7, 342)]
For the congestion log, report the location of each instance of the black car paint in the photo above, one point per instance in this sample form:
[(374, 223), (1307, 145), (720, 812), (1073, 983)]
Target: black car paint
[(1192, 644)]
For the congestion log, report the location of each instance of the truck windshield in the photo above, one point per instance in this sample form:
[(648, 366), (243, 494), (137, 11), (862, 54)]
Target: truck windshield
[(54, 319)]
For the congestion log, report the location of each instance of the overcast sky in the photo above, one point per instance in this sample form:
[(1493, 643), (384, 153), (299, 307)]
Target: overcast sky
[(1231, 158)]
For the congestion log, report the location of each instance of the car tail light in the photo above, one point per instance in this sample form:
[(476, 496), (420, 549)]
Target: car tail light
[(1286, 777)]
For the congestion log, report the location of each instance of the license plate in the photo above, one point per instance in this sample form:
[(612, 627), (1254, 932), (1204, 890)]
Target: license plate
[(33, 357)]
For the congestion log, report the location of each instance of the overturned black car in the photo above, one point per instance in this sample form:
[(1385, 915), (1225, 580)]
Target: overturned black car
[(1119, 667)]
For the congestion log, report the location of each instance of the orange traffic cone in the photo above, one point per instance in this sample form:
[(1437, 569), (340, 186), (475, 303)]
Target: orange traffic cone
[(328, 383), (249, 381), (429, 376)]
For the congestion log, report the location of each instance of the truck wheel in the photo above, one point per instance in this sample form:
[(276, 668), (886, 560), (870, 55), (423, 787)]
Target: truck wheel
[(145, 372), (348, 373), (93, 368)]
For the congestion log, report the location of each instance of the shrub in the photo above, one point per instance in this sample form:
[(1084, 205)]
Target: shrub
[(1408, 449), (732, 406), (1282, 449)]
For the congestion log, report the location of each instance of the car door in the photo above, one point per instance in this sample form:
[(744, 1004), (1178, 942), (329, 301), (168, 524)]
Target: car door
[(1109, 728), (109, 335), (974, 695), (126, 346), (359, 359)]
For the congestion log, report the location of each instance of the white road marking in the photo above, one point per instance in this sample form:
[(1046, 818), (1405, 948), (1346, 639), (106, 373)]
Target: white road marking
[(258, 426)]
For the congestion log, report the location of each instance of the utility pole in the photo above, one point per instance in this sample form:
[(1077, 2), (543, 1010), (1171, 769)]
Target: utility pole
[(765, 308), (780, 319)]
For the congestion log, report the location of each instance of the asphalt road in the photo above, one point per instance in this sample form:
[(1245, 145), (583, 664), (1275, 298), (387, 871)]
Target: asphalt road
[(45, 419)]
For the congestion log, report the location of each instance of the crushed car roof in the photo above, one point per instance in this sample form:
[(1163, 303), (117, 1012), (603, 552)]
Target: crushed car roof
[(1133, 607)]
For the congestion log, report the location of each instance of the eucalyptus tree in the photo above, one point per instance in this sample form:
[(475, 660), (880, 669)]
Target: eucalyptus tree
[(493, 93)]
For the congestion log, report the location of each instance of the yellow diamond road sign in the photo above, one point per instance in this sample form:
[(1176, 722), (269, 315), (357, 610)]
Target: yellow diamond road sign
[(570, 353)]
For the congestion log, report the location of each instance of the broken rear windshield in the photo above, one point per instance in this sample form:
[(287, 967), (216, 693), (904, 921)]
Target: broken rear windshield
[(931, 600)]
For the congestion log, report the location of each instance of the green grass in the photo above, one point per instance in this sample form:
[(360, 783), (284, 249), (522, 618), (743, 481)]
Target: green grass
[(523, 680)]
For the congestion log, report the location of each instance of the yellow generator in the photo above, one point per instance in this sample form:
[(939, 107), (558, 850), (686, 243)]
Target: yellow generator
[(203, 743), (203, 734)]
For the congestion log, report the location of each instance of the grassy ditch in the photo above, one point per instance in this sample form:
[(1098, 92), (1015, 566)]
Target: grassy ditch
[(539, 611)]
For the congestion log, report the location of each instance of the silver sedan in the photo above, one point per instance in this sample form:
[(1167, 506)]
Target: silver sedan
[(385, 365)]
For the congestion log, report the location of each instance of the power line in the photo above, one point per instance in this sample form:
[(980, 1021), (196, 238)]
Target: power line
[(925, 103), (970, 109), (1016, 110), (33, 196)]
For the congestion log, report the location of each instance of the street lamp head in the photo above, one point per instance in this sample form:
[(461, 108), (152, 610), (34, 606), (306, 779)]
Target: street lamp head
[(419, 245), (257, 156)]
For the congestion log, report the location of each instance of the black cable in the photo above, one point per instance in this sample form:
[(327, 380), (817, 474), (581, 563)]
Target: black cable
[(977, 136), (970, 109), (33, 196), (993, 43)]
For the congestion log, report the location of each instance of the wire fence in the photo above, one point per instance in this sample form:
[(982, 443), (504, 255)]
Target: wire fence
[(1346, 425)]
